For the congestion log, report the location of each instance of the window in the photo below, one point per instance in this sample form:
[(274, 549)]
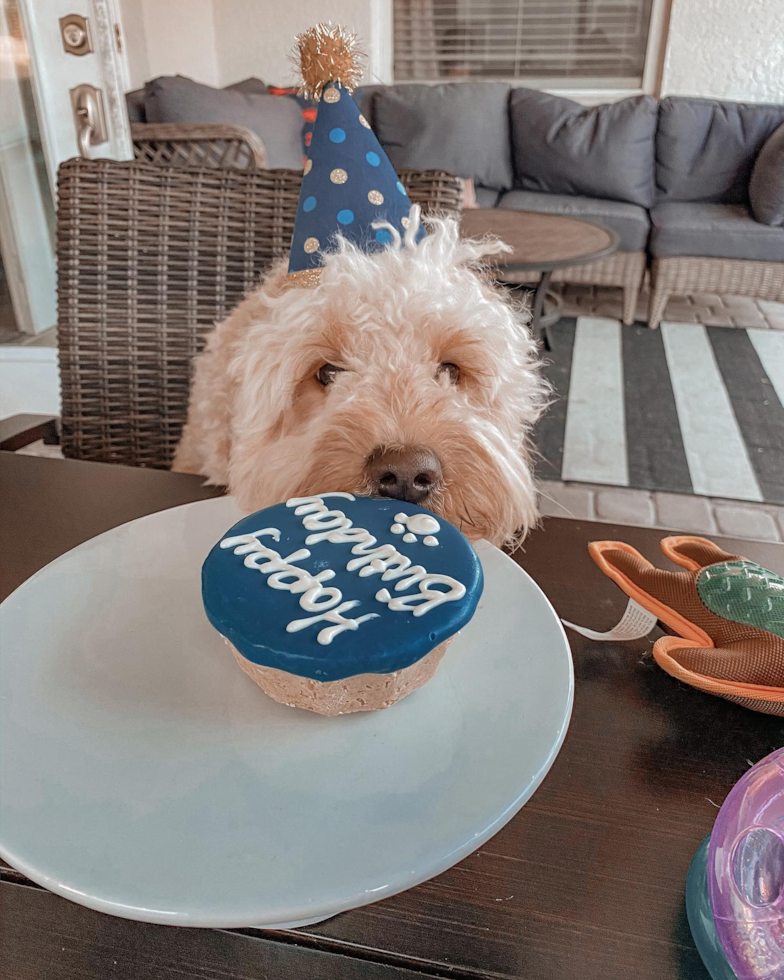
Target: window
[(543, 43)]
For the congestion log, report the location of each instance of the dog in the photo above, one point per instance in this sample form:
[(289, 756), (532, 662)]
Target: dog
[(405, 373)]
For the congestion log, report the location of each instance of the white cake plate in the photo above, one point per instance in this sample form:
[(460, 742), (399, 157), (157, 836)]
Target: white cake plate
[(144, 775)]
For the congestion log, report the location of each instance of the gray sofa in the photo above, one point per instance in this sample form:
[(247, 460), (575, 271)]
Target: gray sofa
[(672, 179)]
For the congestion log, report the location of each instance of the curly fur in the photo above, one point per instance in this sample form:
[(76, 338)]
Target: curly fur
[(260, 423)]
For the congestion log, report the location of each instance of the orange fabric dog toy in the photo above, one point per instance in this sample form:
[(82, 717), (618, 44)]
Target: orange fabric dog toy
[(726, 614)]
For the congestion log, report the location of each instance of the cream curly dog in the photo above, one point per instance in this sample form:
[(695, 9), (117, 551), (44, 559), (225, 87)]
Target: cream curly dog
[(404, 373)]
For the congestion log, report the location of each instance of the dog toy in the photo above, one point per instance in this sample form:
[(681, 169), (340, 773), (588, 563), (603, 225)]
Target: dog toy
[(348, 186), (735, 885), (725, 615)]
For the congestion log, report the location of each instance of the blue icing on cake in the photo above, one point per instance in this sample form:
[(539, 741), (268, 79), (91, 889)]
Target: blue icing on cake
[(341, 620)]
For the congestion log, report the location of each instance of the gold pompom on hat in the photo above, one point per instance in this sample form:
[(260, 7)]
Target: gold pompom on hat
[(348, 183), (325, 54)]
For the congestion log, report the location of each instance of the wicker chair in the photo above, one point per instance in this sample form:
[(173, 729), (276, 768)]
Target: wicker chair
[(150, 257), (187, 145)]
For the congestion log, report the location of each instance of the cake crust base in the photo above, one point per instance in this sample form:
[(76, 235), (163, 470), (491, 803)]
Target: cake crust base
[(362, 692)]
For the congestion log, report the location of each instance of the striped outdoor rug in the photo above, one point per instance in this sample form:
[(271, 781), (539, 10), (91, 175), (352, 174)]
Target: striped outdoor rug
[(685, 408)]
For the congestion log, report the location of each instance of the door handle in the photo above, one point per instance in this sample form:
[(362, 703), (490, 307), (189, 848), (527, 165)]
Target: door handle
[(87, 105)]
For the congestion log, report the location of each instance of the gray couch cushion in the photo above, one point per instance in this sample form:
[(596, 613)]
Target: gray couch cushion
[(630, 221), (277, 121), (766, 188), (486, 197), (562, 147), (726, 231), (460, 128), (364, 96), (705, 149), (134, 102)]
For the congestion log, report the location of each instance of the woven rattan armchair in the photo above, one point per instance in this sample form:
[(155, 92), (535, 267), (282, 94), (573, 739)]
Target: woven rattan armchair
[(187, 145), (149, 258)]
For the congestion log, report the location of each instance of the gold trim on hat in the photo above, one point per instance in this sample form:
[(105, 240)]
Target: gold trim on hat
[(303, 279)]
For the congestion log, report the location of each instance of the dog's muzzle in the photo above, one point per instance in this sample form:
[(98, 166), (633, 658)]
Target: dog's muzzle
[(409, 473)]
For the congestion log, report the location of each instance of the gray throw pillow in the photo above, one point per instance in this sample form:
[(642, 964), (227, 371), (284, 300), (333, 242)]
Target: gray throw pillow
[(766, 188), (605, 151), (277, 121), (250, 86), (462, 128), (706, 148)]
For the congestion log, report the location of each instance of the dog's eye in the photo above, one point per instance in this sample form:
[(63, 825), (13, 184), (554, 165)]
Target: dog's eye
[(452, 371), (327, 373)]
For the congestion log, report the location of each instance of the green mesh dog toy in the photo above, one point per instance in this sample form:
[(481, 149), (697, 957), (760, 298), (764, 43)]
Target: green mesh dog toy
[(725, 615)]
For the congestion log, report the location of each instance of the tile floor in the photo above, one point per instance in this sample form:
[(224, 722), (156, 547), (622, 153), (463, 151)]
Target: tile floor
[(709, 309), (621, 505), (673, 511)]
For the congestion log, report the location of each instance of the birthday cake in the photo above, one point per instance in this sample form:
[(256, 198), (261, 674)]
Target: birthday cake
[(338, 603)]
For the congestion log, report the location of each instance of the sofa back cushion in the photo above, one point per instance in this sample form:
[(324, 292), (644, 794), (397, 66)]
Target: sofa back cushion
[(562, 147), (365, 96), (462, 128), (766, 187), (134, 103), (706, 149), (277, 121)]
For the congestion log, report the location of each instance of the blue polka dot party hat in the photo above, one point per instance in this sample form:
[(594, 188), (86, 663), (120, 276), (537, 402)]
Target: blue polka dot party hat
[(348, 183)]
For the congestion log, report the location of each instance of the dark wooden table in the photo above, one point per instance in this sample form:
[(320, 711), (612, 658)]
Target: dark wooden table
[(586, 881), (540, 243)]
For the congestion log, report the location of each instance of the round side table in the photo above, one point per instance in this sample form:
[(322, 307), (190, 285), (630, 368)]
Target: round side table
[(540, 243)]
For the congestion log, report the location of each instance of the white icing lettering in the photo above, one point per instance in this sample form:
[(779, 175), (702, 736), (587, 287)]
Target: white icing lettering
[(283, 574), (309, 505), (376, 554), (245, 539), (273, 564), (385, 559), (335, 616), (338, 522), (427, 598)]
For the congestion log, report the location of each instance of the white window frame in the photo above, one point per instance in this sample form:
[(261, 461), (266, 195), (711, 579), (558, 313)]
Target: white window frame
[(383, 54)]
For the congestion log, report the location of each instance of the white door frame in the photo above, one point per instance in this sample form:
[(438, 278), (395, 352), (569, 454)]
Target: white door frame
[(58, 130), (26, 232)]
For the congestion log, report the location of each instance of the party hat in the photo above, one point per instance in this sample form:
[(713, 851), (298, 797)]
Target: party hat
[(348, 183)]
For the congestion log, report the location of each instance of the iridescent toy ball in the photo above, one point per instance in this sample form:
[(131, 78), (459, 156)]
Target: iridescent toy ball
[(745, 872)]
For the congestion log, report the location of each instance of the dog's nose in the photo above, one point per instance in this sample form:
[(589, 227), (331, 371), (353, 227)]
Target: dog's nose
[(408, 474)]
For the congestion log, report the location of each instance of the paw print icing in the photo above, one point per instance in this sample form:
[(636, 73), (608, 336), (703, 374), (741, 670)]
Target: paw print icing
[(410, 525)]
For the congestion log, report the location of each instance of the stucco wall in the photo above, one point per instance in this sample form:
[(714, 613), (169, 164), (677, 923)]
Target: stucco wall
[(726, 49), (170, 37), (255, 37), (223, 41)]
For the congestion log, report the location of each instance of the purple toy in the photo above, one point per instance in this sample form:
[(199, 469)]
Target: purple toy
[(746, 872)]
